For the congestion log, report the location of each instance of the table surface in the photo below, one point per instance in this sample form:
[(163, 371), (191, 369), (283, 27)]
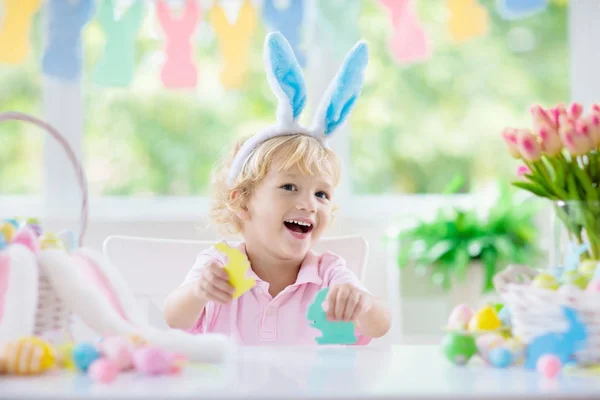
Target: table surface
[(318, 372)]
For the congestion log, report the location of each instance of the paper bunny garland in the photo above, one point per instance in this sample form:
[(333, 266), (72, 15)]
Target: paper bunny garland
[(287, 83)]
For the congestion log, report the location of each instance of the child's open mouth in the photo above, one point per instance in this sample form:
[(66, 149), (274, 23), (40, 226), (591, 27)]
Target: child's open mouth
[(298, 228)]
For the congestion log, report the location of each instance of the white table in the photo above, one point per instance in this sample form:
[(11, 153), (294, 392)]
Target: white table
[(320, 372)]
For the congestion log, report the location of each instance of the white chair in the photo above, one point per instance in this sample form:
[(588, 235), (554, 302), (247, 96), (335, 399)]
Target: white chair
[(154, 267)]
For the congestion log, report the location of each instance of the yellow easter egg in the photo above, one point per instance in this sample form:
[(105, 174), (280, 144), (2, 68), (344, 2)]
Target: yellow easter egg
[(486, 319), (28, 356), (50, 240), (8, 231), (65, 356)]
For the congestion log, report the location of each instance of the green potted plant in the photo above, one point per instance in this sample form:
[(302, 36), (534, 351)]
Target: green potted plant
[(458, 240)]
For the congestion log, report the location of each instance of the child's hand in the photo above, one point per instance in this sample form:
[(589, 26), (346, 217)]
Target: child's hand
[(213, 284), (346, 302)]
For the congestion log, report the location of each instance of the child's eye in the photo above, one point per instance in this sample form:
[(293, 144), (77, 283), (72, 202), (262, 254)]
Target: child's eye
[(288, 186), (322, 195)]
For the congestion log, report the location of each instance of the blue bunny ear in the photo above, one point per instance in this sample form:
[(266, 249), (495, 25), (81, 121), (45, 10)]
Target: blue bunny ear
[(340, 97), (285, 78)]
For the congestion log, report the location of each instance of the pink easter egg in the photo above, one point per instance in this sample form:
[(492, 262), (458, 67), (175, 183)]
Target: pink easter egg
[(28, 238), (460, 316), (488, 342), (102, 371), (549, 366), (593, 286), (119, 351), (152, 361)]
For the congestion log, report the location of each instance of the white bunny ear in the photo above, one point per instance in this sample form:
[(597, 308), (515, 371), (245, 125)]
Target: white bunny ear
[(285, 78), (340, 97)]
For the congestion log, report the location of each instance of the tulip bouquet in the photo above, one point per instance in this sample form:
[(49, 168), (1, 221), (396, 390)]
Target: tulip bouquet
[(561, 162)]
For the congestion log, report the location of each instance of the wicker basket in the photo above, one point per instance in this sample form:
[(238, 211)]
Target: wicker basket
[(52, 316), (536, 311)]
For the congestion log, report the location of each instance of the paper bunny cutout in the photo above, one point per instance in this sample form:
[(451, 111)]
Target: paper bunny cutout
[(63, 54), (287, 83)]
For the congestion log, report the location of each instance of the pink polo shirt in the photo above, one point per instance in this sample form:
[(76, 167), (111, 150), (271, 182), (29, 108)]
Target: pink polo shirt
[(257, 318)]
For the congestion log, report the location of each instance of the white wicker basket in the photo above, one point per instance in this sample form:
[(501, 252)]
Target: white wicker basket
[(52, 316), (536, 311)]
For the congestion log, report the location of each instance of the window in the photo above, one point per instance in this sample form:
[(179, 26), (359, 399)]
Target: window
[(415, 127), (21, 156), (418, 125)]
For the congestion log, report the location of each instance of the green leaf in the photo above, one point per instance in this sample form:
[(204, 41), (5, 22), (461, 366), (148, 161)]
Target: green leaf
[(454, 185), (533, 188)]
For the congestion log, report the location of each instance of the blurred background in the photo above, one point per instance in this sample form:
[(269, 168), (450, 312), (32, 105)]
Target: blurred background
[(419, 121), (148, 93)]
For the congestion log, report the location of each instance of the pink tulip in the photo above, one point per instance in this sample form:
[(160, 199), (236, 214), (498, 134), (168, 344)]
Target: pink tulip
[(523, 170), (528, 145), (540, 116), (576, 110), (593, 122), (544, 127), (510, 137), (575, 137)]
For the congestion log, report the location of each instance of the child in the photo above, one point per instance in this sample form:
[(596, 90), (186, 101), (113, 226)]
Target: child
[(277, 191)]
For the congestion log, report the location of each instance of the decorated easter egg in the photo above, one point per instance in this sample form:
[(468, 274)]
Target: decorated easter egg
[(487, 342), (50, 240), (500, 357), (8, 231), (574, 278), (34, 224), (13, 221), (549, 366), (545, 281), (459, 317), (459, 347), (119, 351), (27, 356), (485, 319), (593, 286), (84, 354), (504, 316), (588, 268), (152, 361), (103, 371), (517, 348), (64, 356), (27, 237)]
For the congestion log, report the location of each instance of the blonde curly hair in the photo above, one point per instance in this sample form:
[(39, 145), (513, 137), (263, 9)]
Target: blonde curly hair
[(297, 150)]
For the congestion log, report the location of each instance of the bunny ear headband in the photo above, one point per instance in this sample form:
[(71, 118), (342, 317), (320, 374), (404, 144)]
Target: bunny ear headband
[(287, 82)]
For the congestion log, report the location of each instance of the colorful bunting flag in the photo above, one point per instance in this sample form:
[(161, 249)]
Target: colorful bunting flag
[(234, 41), (287, 18), (408, 42), (66, 19), (15, 25), (179, 70), (468, 19), (117, 65)]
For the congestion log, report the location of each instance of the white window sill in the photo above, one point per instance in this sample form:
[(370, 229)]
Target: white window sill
[(106, 209)]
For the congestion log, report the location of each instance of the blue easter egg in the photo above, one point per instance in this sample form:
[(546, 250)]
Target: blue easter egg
[(504, 316), (13, 222), (3, 243), (500, 357), (84, 354)]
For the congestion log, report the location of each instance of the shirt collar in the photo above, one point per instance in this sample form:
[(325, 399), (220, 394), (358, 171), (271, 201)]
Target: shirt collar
[(308, 273)]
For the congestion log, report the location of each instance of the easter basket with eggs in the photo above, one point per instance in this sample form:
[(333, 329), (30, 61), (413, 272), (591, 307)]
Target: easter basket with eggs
[(47, 279), (561, 163)]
